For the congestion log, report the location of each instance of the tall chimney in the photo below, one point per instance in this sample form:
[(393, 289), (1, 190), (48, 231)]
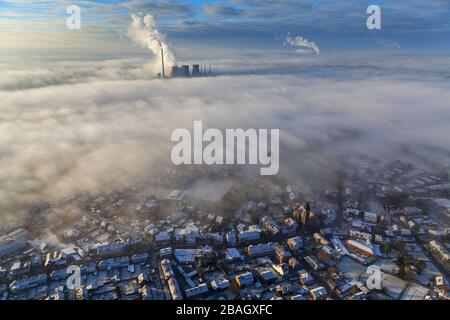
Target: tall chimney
[(162, 62)]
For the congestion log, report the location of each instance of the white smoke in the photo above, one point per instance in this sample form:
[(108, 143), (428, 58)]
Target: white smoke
[(144, 33), (105, 128), (305, 46)]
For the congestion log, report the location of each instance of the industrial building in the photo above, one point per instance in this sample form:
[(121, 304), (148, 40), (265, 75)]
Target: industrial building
[(184, 71)]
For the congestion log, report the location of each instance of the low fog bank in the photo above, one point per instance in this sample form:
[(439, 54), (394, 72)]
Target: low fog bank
[(105, 124), (27, 76)]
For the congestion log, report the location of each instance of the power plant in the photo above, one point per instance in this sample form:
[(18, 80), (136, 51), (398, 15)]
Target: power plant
[(183, 71)]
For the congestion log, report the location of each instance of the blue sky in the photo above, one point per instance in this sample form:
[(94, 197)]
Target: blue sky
[(334, 25)]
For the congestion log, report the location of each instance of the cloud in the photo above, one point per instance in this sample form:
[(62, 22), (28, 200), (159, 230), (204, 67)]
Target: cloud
[(111, 127)]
